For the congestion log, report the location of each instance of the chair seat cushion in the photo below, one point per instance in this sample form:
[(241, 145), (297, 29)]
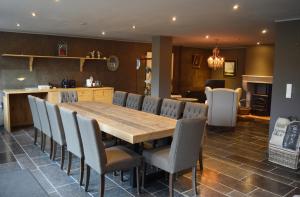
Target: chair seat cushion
[(158, 157), (121, 158)]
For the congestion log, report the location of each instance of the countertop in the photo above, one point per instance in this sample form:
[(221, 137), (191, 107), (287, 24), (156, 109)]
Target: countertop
[(36, 90)]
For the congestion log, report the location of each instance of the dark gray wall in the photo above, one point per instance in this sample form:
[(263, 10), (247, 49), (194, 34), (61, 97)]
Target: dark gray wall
[(286, 70)]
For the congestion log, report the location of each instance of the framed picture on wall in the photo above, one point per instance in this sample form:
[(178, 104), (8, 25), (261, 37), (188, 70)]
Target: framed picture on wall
[(197, 60), (230, 68), (62, 49)]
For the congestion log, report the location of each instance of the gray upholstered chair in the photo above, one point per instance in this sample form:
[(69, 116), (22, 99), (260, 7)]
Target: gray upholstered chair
[(73, 139), (151, 105), (46, 129), (134, 101), (69, 96), (172, 108), (104, 160), (196, 110), (222, 106), (183, 152), (57, 129), (120, 98), (35, 117)]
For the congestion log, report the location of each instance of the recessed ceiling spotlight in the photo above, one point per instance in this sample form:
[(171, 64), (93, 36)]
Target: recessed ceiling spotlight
[(258, 43), (235, 7), (133, 26), (174, 18), (56, 0), (103, 33), (18, 24), (33, 14), (264, 31), (207, 36)]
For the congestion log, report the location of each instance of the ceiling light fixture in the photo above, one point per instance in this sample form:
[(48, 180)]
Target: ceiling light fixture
[(264, 31), (258, 43), (236, 7), (133, 26), (33, 14), (174, 18), (215, 61), (103, 33), (207, 36), (18, 24)]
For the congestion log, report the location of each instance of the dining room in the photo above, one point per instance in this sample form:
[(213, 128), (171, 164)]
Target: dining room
[(149, 98)]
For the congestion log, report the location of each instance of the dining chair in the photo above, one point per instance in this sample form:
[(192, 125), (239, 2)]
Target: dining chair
[(182, 154), (196, 110), (172, 108), (73, 139), (68, 96), (120, 98), (46, 129), (57, 129), (35, 117), (101, 159), (151, 104), (134, 101)]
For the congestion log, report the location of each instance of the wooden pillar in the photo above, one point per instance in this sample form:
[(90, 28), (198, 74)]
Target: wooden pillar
[(161, 66)]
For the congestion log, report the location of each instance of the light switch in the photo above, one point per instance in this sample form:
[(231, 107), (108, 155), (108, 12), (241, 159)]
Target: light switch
[(288, 93)]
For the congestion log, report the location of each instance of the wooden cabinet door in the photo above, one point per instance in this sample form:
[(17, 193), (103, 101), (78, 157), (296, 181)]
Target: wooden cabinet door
[(85, 95), (104, 96)]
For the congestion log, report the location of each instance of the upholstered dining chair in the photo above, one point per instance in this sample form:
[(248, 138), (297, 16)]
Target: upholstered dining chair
[(46, 129), (35, 117), (69, 96), (134, 101), (73, 139), (151, 104), (171, 108), (120, 98), (183, 152), (104, 160), (196, 110), (57, 129)]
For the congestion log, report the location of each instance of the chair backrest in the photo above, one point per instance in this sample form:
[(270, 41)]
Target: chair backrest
[(185, 147), (69, 96), (42, 111), (93, 146), (57, 129), (120, 98), (134, 101), (73, 139), (171, 108), (151, 104), (34, 112), (194, 110), (222, 106)]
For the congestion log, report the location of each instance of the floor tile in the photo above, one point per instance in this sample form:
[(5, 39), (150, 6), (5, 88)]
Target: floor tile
[(72, 190), (268, 184), (9, 167), (236, 194), (204, 191), (24, 139), (262, 193), (253, 163), (6, 157), (34, 151), (287, 173), (25, 162), (114, 192), (16, 148), (43, 181)]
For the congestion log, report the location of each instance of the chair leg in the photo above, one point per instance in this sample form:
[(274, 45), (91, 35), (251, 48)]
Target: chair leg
[(121, 176), (35, 135), (138, 180), (200, 160), (81, 170), (144, 167), (171, 184), (102, 185), (87, 177), (194, 180), (42, 141), (51, 147), (54, 151), (69, 163), (62, 157)]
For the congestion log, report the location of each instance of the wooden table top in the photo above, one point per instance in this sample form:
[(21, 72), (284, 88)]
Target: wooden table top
[(127, 124)]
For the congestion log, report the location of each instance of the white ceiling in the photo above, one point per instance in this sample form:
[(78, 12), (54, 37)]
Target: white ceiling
[(195, 19)]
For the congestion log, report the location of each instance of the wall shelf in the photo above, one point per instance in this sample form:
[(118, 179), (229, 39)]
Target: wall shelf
[(82, 60)]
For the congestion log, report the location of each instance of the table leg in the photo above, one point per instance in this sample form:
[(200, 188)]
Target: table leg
[(135, 148)]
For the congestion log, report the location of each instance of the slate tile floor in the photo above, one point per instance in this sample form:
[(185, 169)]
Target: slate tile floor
[(235, 165)]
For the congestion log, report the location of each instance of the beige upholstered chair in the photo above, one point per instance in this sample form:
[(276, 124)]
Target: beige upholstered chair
[(183, 152), (172, 108), (35, 117), (134, 101), (151, 104), (120, 98), (102, 159), (222, 106), (196, 110)]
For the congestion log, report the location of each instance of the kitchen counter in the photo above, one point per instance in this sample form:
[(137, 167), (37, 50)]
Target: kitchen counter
[(17, 111)]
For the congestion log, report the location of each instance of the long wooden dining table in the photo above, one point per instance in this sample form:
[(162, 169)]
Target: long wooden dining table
[(132, 126)]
